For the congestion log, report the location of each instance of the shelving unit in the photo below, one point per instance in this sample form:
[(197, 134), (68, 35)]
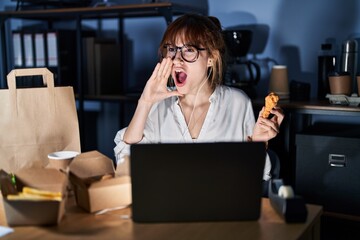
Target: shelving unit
[(119, 12)]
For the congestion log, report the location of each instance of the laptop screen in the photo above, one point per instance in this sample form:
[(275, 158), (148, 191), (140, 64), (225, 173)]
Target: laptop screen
[(197, 181)]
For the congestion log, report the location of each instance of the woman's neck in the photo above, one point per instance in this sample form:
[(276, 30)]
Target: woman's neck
[(195, 108), (197, 97)]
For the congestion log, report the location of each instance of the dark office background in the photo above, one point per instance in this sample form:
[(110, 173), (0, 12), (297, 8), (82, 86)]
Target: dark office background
[(296, 31)]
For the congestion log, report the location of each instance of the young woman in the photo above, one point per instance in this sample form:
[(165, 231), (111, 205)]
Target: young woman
[(199, 108)]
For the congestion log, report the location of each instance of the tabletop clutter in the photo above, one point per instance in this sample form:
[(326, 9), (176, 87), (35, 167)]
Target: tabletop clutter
[(42, 164), (37, 196), (338, 79), (36, 180)]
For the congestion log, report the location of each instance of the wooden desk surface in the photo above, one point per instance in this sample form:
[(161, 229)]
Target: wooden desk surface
[(78, 224)]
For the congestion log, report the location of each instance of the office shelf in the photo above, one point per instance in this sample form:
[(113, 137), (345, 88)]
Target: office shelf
[(166, 10), (118, 12)]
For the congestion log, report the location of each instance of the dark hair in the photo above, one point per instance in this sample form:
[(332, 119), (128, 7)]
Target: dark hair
[(200, 31)]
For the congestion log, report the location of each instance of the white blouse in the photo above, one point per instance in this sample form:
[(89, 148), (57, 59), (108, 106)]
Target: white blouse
[(230, 118)]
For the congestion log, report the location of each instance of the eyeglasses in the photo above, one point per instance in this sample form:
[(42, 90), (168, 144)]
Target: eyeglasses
[(188, 53)]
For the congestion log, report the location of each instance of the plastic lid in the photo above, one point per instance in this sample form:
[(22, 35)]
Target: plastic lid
[(350, 46)]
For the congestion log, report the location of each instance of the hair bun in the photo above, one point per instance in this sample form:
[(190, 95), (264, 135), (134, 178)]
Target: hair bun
[(216, 21)]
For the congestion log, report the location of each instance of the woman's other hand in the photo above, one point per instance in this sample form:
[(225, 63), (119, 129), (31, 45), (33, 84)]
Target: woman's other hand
[(266, 129)]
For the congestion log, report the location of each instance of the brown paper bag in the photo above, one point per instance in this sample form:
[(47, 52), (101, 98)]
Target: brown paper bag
[(36, 121)]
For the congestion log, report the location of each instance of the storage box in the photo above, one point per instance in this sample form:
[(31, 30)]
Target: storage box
[(40, 212), (95, 184), (327, 169)]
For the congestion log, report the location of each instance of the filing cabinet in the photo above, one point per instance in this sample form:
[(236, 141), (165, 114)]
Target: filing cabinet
[(328, 169)]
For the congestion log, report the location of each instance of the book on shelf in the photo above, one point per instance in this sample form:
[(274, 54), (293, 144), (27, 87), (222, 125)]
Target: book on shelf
[(102, 67), (63, 56), (107, 68), (89, 65)]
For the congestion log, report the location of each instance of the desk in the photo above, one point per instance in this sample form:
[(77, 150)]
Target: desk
[(78, 224)]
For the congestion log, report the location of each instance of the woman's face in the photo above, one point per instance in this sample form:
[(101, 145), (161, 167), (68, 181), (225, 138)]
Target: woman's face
[(188, 76)]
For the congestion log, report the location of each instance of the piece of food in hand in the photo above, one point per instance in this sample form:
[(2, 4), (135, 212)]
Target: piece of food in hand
[(35, 195), (271, 101)]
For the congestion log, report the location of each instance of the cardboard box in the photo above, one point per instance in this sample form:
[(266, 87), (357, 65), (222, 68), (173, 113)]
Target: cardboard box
[(40, 212), (95, 183)]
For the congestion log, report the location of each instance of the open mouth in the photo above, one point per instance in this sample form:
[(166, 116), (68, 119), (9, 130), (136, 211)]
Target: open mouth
[(180, 78)]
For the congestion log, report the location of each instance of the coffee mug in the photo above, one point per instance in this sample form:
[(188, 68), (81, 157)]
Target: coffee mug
[(279, 82), (340, 84), (61, 159)]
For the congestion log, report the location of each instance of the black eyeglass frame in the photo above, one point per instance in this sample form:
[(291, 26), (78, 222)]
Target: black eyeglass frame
[(181, 52)]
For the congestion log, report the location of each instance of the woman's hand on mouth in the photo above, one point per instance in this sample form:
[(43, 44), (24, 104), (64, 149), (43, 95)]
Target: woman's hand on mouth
[(156, 87)]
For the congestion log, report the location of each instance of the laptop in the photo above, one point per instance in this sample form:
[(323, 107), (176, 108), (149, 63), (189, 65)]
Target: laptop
[(191, 182)]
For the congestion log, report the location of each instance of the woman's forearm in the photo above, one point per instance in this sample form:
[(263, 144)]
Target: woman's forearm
[(135, 130)]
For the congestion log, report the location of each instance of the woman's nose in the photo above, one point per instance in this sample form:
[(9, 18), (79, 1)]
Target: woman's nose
[(177, 57)]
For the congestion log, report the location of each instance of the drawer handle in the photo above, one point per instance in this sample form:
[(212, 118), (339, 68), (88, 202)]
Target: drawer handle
[(337, 160)]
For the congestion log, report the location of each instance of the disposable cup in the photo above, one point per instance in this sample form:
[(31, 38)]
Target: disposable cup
[(340, 84), (61, 159), (279, 82)]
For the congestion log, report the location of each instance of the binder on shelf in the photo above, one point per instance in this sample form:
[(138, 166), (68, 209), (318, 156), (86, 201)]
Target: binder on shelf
[(28, 49), (52, 49), (40, 59), (61, 55), (107, 68), (17, 49), (89, 65)]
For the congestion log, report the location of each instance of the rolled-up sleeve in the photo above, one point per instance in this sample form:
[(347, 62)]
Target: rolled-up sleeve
[(267, 168), (121, 149)]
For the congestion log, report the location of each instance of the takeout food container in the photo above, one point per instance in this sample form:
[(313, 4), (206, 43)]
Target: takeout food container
[(95, 184), (33, 212)]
